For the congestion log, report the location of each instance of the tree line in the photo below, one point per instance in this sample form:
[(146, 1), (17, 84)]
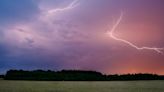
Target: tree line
[(75, 75), (2, 76)]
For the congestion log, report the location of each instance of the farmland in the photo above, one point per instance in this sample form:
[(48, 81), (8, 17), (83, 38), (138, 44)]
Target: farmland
[(69, 86)]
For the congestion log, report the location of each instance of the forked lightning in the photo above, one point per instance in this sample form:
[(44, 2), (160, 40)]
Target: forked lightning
[(111, 34)]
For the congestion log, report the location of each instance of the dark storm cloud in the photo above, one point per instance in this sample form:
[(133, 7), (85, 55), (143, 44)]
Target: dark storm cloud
[(2, 50), (17, 10), (21, 58)]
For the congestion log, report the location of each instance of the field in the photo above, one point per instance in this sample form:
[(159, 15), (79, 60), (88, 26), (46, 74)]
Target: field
[(110, 86)]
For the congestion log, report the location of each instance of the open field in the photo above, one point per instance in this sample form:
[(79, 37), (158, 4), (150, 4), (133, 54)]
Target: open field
[(109, 86)]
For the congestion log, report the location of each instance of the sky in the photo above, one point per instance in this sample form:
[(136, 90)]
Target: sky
[(75, 34)]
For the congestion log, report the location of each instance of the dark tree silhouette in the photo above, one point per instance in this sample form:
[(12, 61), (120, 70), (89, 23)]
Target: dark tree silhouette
[(2, 76), (75, 75)]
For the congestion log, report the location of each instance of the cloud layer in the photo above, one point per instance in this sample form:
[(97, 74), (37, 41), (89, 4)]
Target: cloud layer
[(75, 38)]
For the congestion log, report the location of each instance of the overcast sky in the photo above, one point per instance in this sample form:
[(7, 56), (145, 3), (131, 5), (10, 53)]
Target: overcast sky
[(32, 37)]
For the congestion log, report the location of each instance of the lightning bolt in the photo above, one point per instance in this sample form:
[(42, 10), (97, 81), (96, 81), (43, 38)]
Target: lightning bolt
[(47, 15), (70, 6), (111, 34)]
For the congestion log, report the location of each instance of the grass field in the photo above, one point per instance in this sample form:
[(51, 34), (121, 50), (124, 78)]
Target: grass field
[(110, 86)]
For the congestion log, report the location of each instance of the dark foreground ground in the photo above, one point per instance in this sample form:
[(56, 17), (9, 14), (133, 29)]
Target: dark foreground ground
[(63, 86)]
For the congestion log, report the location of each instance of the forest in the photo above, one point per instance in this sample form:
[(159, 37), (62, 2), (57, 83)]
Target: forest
[(75, 75)]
